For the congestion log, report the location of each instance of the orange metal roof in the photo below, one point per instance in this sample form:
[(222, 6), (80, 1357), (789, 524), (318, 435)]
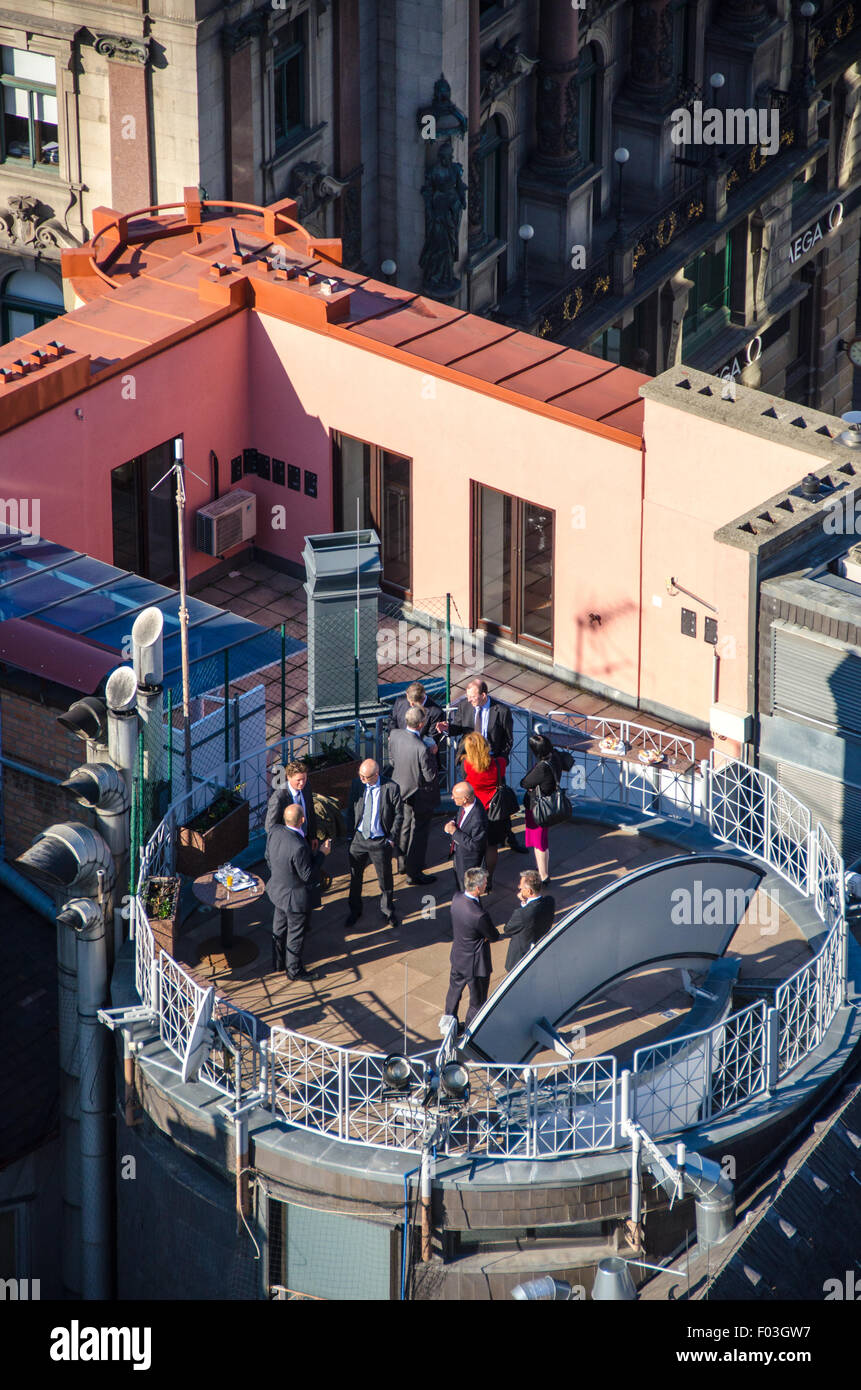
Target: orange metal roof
[(149, 280)]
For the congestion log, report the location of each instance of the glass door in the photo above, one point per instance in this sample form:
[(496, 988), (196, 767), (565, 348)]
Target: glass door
[(513, 544), (381, 482), (144, 521)]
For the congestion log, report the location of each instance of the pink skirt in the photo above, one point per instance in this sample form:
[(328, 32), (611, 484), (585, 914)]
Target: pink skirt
[(535, 836)]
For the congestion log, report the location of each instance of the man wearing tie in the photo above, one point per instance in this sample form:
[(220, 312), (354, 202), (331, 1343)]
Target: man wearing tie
[(291, 789), (468, 831), (374, 818), (291, 890), (472, 933), (490, 718), (415, 770)]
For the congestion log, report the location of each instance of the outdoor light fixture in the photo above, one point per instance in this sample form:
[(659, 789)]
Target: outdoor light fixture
[(526, 232), (621, 156), (397, 1072), (454, 1082), (389, 269), (808, 85)]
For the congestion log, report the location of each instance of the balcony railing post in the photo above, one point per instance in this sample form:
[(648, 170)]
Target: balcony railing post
[(772, 1048)]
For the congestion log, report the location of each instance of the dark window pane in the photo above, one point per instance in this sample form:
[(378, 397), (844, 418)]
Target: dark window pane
[(495, 565), (396, 538), (161, 513), (289, 81), (536, 581), (355, 469), (124, 503)]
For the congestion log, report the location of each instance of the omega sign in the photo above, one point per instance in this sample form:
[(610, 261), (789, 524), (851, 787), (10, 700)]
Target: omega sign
[(752, 353), (806, 240)]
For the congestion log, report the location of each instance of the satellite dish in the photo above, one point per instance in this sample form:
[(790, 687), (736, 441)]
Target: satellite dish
[(200, 1038), (121, 689), (147, 646)]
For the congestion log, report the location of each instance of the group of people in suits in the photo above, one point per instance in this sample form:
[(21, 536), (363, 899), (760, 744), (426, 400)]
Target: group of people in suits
[(389, 816)]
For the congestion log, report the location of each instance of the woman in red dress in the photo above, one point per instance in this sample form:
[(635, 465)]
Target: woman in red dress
[(484, 774)]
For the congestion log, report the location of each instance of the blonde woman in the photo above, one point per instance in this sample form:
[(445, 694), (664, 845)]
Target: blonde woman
[(484, 774)]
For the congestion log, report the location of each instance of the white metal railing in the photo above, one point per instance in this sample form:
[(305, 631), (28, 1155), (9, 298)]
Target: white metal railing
[(563, 1108)]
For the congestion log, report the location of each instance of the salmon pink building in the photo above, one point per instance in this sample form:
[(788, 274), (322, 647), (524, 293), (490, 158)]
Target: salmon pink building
[(580, 514)]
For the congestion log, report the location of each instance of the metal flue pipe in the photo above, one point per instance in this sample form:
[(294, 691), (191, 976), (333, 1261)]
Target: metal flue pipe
[(148, 660)]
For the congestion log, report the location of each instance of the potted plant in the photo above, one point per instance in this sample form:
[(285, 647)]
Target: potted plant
[(331, 771), (161, 904), (214, 835)]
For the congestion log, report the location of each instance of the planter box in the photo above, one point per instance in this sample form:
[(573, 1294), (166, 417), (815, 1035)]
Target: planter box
[(199, 851), (165, 930), (334, 781)]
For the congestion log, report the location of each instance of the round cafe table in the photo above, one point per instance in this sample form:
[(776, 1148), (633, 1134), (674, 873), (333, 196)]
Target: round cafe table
[(213, 894)]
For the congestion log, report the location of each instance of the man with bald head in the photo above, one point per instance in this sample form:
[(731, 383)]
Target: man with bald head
[(468, 831), (292, 890), (374, 819)]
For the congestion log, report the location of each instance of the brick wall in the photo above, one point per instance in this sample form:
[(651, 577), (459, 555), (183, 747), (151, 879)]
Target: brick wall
[(30, 734)]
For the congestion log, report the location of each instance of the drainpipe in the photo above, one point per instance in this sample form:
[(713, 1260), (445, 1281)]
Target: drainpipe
[(76, 863), (642, 538), (83, 922)]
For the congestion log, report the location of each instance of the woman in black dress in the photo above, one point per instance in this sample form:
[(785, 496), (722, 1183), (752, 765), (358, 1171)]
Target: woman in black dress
[(541, 780)]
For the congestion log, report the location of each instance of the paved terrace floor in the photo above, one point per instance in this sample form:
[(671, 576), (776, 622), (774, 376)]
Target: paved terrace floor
[(269, 597), (384, 990)]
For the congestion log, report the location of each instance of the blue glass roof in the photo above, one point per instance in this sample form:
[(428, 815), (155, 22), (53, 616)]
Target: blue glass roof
[(64, 589)]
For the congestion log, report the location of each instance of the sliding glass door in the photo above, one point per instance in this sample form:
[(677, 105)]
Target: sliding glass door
[(376, 485), (512, 559), (144, 515)]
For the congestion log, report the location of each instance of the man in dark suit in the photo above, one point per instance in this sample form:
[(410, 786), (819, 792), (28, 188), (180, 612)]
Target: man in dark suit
[(472, 933), (291, 789), (291, 889), (478, 713), (416, 697), (414, 769), (531, 920), (468, 831), (374, 819)]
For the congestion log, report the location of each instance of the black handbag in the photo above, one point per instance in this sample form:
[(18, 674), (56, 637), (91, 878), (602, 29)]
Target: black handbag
[(552, 809), (503, 804)]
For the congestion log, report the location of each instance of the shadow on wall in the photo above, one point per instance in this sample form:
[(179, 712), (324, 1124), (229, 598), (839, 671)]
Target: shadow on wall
[(607, 652)]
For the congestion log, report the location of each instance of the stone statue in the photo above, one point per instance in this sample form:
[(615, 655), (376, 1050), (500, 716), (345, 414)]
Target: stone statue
[(444, 194)]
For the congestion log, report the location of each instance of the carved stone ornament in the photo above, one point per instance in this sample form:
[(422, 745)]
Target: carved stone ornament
[(27, 222), (502, 66), (117, 47), (314, 190), (449, 120)]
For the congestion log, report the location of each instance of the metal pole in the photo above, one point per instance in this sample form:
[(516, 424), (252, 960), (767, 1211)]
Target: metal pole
[(241, 1172), (141, 814), (183, 613), (283, 680), (356, 636), (96, 1070), (170, 742), (448, 649), (426, 1201)]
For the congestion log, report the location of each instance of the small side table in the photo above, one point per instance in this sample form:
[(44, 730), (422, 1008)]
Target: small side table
[(213, 894)]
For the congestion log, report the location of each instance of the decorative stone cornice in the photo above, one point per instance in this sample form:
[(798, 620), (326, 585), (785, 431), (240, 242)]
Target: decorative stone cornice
[(119, 48), (502, 66), (251, 26)]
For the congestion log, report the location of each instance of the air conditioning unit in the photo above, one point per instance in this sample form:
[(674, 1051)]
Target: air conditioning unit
[(228, 521)]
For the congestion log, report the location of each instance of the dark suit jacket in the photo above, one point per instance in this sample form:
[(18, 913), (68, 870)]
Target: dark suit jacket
[(470, 842), (432, 714), (281, 799), (414, 769), (472, 933), (526, 925), (500, 733), (391, 808), (295, 870)]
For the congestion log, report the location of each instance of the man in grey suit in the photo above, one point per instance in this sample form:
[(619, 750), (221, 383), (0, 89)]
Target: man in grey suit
[(374, 818), (414, 769), (291, 889)]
